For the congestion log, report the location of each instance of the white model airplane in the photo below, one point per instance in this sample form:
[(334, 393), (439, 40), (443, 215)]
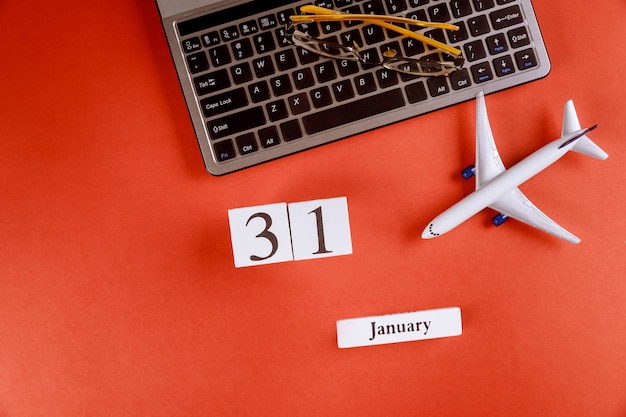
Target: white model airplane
[(496, 187)]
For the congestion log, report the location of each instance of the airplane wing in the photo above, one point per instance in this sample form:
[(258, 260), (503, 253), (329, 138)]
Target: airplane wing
[(516, 205), (488, 162)]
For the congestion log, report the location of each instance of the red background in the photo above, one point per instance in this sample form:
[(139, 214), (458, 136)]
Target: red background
[(118, 292)]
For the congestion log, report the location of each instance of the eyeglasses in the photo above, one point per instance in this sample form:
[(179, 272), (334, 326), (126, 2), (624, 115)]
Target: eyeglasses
[(391, 60), (322, 14)]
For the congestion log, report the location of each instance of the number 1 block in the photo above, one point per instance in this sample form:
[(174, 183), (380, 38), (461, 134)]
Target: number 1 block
[(320, 228)]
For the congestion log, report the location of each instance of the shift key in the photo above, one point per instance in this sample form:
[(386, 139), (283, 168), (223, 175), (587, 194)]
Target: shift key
[(236, 122)]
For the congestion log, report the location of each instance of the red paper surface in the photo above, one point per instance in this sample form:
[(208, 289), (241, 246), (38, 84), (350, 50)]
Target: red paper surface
[(118, 292)]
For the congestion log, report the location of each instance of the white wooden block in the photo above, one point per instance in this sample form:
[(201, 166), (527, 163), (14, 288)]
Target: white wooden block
[(396, 328), (320, 228), (260, 235)]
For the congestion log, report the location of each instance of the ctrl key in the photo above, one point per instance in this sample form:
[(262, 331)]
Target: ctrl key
[(224, 150)]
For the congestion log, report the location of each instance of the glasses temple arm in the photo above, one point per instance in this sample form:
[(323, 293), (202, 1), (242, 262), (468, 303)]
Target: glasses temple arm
[(381, 21)]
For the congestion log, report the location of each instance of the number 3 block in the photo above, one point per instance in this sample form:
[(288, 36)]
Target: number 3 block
[(278, 233), (260, 235)]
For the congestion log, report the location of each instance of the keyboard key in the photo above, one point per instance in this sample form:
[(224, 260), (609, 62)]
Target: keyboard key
[(224, 150), (503, 66), (263, 67), (526, 59), (197, 62), (325, 71), (191, 45), (283, 16), (417, 15), (264, 42), (439, 13), (436, 34), (460, 8), (281, 85), (286, 60), (220, 55), (347, 67), (330, 27), (276, 110), (353, 111), (241, 73), (373, 34), (248, 28), (303, 78), (412, 47), (211, 38), (497, 44), (396, 6), (343, 3), (387, 78), (247, 143), (457, 36), (506, 17), (268, 22), (242, 49), (460, 79), (211, 82), (365, 83), (350, 37), (307, 57), (343, 90), (518, 37), (438, 86), (291, 130), (481, 5), (374, 7), (259, 91), (269, 137), (475, 51), (230, 33), (299, 104), (482, 72), (320, 97), (236, 123), (224, 102), (416, 92), (478, 25)]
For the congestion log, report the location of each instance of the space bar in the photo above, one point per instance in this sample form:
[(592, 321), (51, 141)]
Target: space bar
[(353, 111)]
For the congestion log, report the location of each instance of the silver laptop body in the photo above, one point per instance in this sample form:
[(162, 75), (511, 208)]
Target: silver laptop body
[(252, 97)]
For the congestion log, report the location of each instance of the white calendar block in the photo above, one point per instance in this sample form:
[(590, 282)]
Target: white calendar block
[(260, 235), (320, 228)]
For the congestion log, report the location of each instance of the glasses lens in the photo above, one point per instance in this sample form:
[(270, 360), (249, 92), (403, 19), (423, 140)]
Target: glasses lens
[(422, 67), (325, 48)]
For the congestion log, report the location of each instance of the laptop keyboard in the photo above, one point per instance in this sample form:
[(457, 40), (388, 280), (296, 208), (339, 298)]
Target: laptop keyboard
[(254, 97)]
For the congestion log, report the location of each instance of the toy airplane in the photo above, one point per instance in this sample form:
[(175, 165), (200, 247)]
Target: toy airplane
[(496, 187)]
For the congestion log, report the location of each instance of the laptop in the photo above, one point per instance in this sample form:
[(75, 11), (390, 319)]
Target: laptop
[(254, 96)]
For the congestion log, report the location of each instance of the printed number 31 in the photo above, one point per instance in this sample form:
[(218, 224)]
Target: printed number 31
[(288, 232)]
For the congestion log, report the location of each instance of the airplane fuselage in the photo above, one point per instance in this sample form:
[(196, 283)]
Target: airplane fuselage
[(491, 191)]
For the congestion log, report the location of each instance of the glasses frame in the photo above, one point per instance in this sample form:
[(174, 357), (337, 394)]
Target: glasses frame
[(390, 57), (321, 14)]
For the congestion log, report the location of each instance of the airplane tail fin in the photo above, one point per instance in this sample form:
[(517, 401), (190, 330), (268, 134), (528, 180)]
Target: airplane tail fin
[(584, 145)]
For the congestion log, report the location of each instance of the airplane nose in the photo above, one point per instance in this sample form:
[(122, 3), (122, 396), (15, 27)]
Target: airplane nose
[(428, 232)]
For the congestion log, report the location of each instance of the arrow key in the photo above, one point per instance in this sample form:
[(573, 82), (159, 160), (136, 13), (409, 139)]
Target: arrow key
[(526, 59), (497, 44), (482, 72), (504, 66)]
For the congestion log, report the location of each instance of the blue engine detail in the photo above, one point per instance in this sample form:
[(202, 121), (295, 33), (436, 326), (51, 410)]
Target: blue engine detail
[(499, 219), (469, 172)]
